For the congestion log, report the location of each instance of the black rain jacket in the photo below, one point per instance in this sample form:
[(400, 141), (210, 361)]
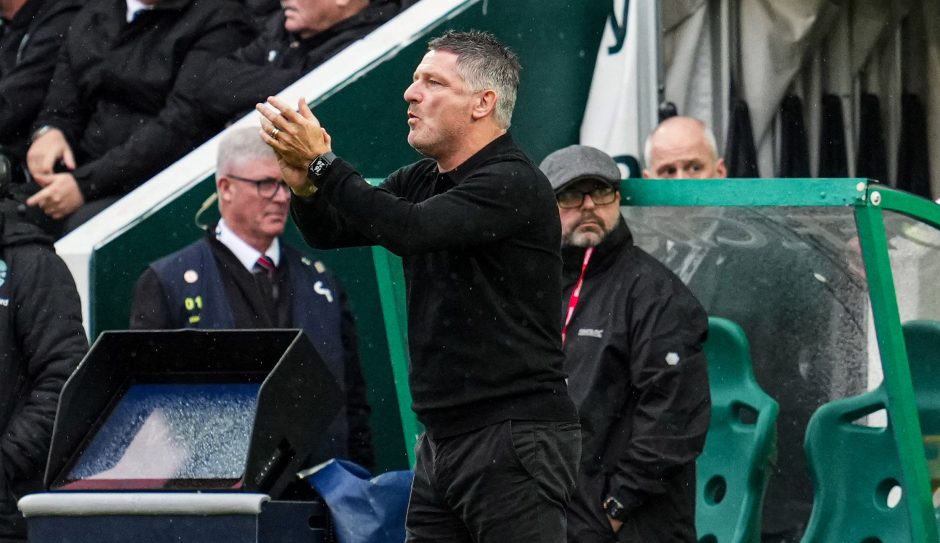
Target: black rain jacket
[(638, 376)]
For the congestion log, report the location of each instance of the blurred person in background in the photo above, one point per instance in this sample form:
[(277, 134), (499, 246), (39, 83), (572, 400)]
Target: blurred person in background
[(295, 40), (31, 32), (242, 275), (124, 77), (682, 148), (727, 273)]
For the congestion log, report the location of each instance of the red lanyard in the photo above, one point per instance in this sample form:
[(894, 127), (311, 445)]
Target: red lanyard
[(575, 294)]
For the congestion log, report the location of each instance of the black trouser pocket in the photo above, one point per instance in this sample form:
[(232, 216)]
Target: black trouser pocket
[(550, 453)]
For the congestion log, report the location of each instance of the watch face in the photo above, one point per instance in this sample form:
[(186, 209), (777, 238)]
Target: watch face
[(613, 508), (319, 166)]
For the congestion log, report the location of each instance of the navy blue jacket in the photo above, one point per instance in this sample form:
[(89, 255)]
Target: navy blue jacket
[(196, 288)]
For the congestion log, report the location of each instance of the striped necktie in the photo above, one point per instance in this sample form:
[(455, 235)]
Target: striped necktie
[(265, 264), (268, 286)]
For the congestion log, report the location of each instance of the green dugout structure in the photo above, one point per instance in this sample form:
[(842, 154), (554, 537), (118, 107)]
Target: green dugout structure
[(825, 277), (820, 274)]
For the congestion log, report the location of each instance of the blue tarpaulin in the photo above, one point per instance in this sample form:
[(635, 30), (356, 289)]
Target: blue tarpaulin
[(363, 509)]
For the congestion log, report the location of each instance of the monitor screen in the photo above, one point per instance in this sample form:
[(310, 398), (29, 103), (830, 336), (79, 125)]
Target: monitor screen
[(168, 435)]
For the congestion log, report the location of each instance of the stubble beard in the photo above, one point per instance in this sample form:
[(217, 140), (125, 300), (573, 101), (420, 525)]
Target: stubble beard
[(419, 144), (438, 143), (584, 239)]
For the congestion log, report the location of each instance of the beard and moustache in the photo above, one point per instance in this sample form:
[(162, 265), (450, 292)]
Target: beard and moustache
[(578, 237)]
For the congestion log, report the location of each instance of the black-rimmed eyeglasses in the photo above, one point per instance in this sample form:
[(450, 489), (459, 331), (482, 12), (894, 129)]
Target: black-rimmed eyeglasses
[(569, 198), (267, 187)]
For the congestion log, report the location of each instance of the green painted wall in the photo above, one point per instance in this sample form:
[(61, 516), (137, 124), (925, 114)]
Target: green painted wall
[(556, 42)]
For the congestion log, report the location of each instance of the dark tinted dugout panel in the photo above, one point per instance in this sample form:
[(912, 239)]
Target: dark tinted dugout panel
[(793, 278)]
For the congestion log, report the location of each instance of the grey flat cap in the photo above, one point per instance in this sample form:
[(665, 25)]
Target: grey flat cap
[(577, 162)]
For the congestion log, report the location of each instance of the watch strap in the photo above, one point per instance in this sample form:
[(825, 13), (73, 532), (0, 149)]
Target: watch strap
[(40, 132)]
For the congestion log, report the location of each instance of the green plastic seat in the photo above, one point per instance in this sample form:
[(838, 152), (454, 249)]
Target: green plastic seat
[(854, 469), (740, 449), (922, 339)]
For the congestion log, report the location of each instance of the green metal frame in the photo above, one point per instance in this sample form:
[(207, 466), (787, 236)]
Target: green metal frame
[(391, 285), (744, 192), (902, 409), (869, 201), (897, 375)]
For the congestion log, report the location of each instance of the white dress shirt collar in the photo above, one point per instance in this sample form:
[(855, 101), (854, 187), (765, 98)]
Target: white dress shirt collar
[(246, 254)]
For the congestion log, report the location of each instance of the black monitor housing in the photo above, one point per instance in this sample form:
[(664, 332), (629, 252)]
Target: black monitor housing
[(133, 388)]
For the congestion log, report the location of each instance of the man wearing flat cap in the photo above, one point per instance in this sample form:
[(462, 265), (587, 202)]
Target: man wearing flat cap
[(633, 337)]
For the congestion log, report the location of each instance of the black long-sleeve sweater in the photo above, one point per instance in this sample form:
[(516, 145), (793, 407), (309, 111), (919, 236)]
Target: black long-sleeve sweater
[(481, 253)]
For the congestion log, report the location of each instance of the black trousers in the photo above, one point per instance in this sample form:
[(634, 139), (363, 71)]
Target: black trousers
[(509, 482)]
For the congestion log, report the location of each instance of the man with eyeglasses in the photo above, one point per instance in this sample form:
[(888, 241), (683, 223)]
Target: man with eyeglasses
[(633, 337), (241, 275)]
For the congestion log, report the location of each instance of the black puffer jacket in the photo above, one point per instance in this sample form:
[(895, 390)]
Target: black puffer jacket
[(120, 90), (638, 376), (235, 82), (29, 44), (41, 342)]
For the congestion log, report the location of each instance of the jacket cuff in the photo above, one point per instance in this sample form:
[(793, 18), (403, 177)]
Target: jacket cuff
[(90, 190), (338, 169)]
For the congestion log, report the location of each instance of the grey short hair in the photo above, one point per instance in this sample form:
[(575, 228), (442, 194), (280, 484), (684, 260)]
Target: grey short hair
[(484, 63), (241, 145), (710, 142)]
